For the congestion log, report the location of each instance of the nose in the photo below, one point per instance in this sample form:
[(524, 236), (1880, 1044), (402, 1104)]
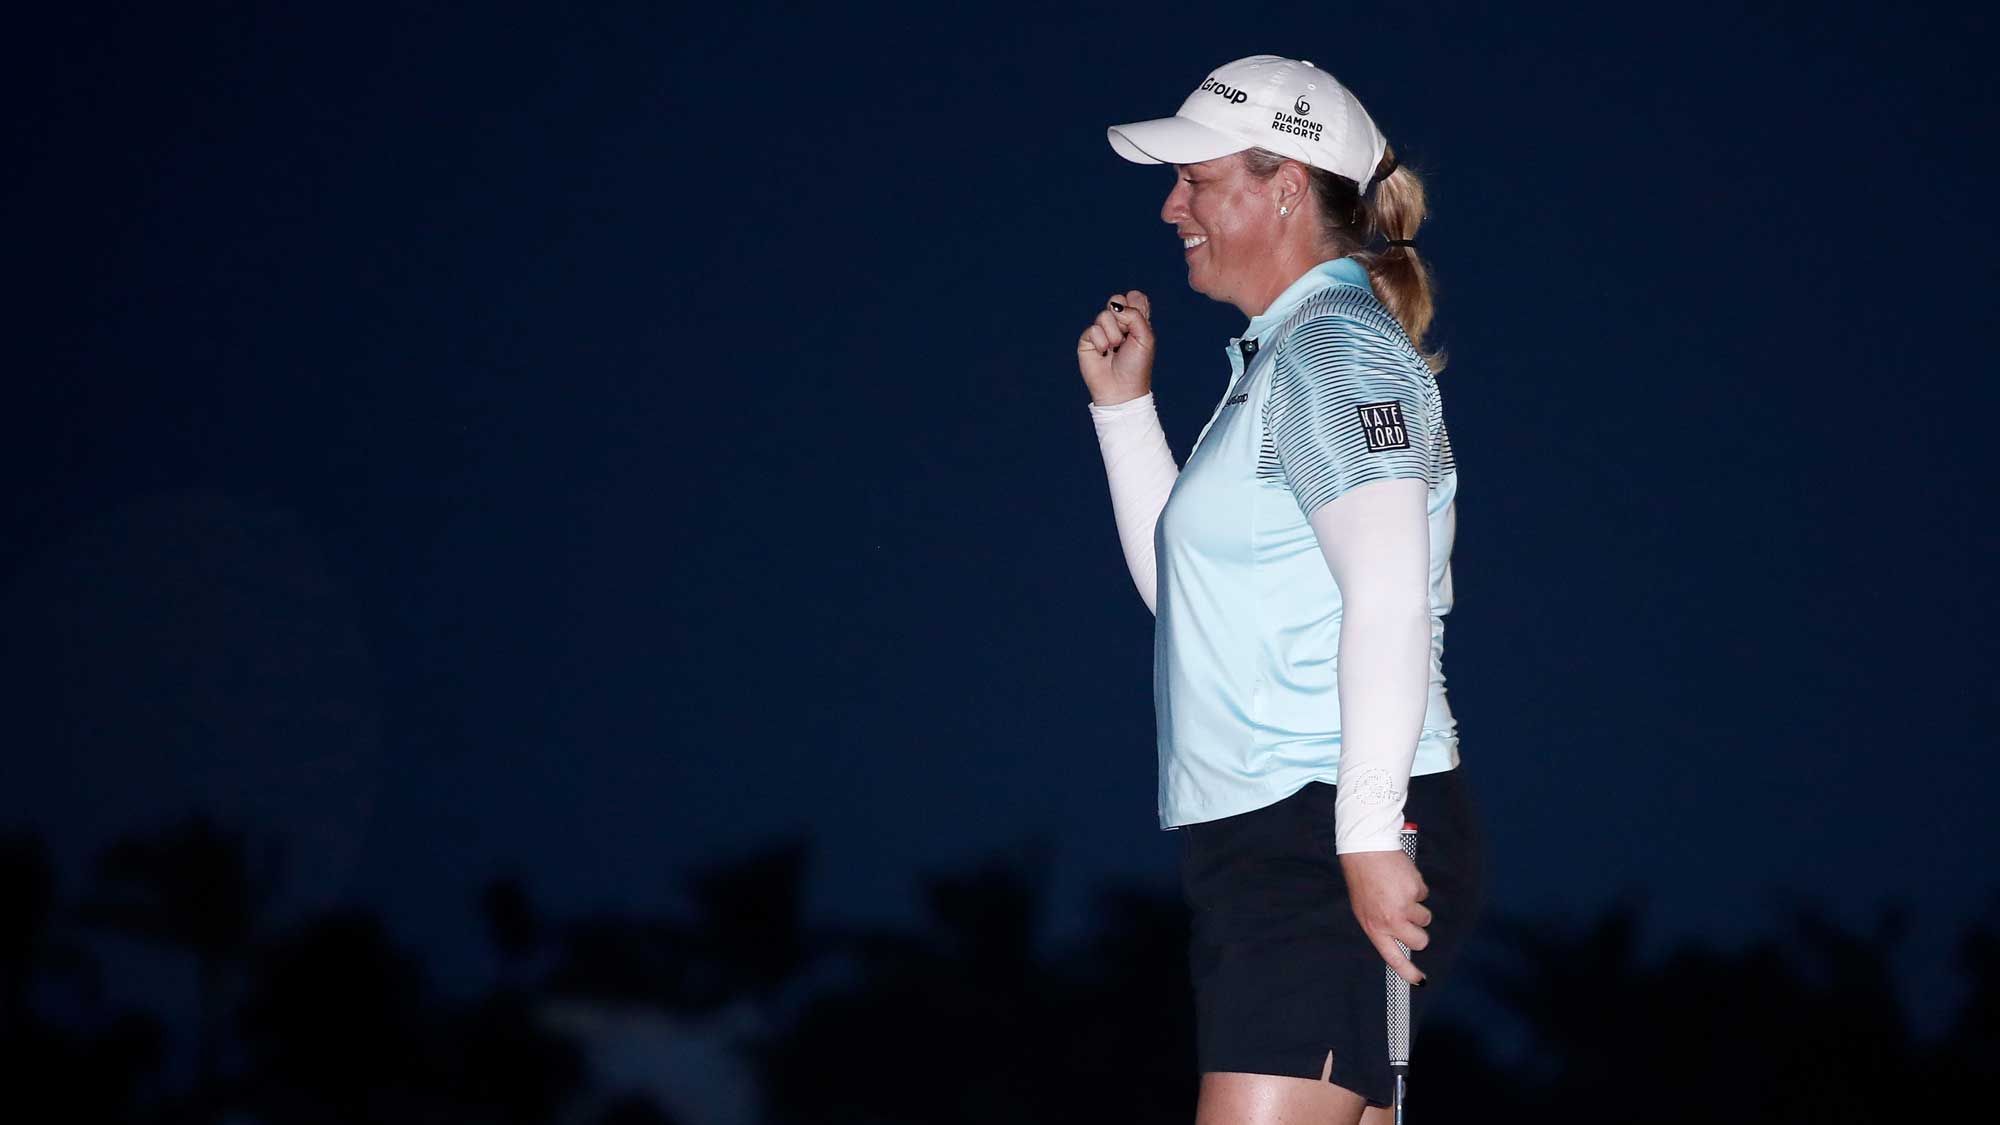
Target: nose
[(1175, 208)]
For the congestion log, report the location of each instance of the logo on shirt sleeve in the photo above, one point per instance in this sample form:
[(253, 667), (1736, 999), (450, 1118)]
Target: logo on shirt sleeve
[(1383, 423)]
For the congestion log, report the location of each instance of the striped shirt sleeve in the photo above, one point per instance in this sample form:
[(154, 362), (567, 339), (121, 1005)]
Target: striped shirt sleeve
[(1345, 409)]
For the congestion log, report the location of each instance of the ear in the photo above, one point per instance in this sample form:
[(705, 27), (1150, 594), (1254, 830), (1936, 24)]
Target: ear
[(1293, 185)]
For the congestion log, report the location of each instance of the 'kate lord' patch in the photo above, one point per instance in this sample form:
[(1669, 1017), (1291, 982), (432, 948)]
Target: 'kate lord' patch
[(1383, 423)]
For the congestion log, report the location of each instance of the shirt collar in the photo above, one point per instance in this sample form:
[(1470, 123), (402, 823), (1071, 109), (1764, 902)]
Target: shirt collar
[(1333, 271)]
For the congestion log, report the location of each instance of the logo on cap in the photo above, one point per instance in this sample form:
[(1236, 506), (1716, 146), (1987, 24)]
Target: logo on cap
[(1225, 91), (1302, 106), (1296, 124)]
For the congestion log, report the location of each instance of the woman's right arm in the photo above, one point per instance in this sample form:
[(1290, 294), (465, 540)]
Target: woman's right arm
[(1115, 354)]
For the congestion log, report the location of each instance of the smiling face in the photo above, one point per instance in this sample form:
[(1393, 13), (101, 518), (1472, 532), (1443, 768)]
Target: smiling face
[(1238, 248), (1228, 225)]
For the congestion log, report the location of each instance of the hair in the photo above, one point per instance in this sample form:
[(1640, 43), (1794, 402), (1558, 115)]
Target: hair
[(1393, 208)]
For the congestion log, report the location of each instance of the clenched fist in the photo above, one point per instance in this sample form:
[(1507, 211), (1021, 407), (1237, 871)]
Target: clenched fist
[(1115, 352)]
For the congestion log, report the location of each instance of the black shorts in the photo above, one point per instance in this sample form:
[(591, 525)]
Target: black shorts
[(1282, 971)]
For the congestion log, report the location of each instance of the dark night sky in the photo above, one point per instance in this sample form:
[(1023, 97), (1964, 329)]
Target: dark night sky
[(594, 443)]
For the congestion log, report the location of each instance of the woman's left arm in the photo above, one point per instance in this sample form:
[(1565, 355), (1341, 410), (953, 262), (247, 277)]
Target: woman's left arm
[(1350, 425), (1376, 539)]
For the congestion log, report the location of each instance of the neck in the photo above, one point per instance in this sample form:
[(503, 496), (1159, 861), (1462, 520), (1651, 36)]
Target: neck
[(1288, 265)]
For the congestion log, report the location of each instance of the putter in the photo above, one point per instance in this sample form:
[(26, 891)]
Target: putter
[(1399, 1000)]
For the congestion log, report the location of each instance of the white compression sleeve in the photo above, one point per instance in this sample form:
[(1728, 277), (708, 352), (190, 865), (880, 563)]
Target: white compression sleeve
[(1376, 539), (1141, 471)]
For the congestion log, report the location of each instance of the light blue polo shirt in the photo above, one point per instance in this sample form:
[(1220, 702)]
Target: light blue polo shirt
[(1325, 394)]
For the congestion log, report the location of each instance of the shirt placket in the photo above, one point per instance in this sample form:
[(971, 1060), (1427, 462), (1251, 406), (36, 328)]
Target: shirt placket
[(1245, 350)]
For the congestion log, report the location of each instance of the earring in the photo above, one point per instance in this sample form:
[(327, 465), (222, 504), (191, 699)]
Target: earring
[(1284, 211)]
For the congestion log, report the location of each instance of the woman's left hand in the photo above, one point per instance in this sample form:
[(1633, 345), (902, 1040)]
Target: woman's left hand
[(1387, 894)]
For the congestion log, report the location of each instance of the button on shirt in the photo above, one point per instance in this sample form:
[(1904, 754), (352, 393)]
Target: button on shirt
[(1325, 394)]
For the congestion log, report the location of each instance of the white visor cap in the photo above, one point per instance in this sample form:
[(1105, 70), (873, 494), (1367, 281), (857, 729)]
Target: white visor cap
[(1288, 106)]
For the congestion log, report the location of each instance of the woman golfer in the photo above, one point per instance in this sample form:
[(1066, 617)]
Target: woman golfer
[(1299, 568)]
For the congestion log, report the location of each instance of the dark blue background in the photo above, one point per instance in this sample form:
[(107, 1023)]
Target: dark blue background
[(655, 431)]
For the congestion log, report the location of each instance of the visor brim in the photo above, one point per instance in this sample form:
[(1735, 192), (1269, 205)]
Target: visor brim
[(1171, 140)]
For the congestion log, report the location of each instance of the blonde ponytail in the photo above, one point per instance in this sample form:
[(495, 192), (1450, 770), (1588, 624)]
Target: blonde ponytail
[(1402, 281)]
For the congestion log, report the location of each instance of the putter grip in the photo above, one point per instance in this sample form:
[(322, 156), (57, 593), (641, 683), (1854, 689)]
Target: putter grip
[(1399, 989)]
